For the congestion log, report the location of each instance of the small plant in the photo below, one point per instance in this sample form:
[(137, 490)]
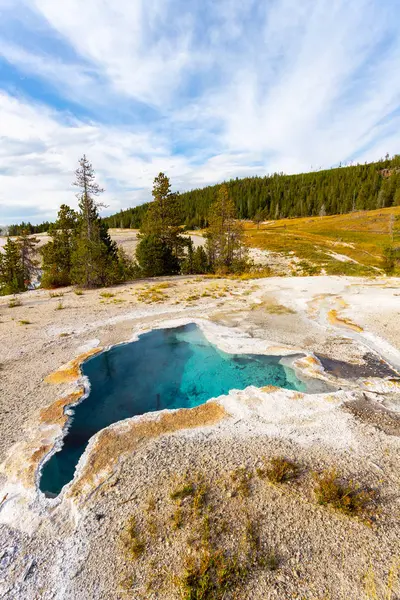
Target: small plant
[(346, 497), (152, 294), (200, 497), (177, 518), (14, 302), (252, 537), (107, 295), (241, 478), (210, 576), (25, 322), (165, 285), (133, 542), (56, 294), (269, 561), (78, 292), (281, 470), (265, 560), (60, 306), (385, 588), (150, 508), (192, 298), (63, 335), (151, 504), (183, 491)]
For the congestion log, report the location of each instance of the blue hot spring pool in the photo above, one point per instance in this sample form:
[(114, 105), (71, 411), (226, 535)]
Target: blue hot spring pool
[(165, 368)]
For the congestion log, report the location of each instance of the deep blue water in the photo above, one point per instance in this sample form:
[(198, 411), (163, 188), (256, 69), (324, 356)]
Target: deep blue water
[(165, 368)]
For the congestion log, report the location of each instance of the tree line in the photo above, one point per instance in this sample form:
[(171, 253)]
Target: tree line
[(334, 191), (26, 228), (81, 251)]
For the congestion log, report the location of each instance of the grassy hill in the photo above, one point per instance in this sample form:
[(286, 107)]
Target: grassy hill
[(350, 244), (332, 191)]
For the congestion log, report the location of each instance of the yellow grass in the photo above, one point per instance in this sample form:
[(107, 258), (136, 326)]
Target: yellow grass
[(361, 236)]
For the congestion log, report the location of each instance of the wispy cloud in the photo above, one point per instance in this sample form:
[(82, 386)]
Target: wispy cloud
[(202, 90)]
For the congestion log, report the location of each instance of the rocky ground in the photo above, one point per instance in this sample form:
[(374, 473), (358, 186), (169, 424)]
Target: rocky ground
[(118, 531)]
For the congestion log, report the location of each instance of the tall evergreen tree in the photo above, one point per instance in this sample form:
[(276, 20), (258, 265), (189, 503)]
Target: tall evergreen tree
[(88, 190), (160, 232), (94, 260), (12, 272), (27, 247), (163, 213), (155, 257), (57, 254), (225, 237)]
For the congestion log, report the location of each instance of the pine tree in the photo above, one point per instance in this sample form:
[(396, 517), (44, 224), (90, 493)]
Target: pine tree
[(57, 254), (89, 189), (187, 263), (162, 217), (155, 257), (258, 218), (200, 261), (160, 232), (94, 260), (27, 248), (12, 273), (225, 237)]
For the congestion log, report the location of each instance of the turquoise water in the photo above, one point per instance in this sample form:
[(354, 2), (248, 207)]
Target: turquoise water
[(165, 368)]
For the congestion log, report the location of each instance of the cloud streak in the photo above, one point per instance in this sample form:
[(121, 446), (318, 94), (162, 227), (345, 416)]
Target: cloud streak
[(203, 91)]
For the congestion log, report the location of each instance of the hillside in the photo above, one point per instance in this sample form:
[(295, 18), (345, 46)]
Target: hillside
[(350, 244), (334, 191)]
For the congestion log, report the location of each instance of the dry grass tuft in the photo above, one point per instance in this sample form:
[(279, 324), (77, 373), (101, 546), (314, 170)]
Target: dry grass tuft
[(154, 294), (345, 497), (382, 590), (279, 470), (241, 479), (133, 542), (183, 491), (14, 302), (210, 575)]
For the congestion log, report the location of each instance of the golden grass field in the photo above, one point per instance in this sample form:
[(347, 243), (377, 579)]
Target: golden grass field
[(359, 238)]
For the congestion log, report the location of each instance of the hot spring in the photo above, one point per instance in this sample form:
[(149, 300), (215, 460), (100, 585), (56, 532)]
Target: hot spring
[(163, 369)]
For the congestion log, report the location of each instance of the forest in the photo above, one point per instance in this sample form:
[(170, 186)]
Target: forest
[(333, 191)]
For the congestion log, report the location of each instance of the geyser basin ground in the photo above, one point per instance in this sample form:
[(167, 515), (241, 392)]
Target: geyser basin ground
[(164, 369)]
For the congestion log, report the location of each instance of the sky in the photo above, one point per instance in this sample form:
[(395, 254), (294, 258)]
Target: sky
[(202, 90)]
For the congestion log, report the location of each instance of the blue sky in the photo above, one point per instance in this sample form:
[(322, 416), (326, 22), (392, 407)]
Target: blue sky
[(201, 90)]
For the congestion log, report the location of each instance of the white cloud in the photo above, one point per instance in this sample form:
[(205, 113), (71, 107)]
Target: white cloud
[(129, 42), (225, 89), (39, 155)]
